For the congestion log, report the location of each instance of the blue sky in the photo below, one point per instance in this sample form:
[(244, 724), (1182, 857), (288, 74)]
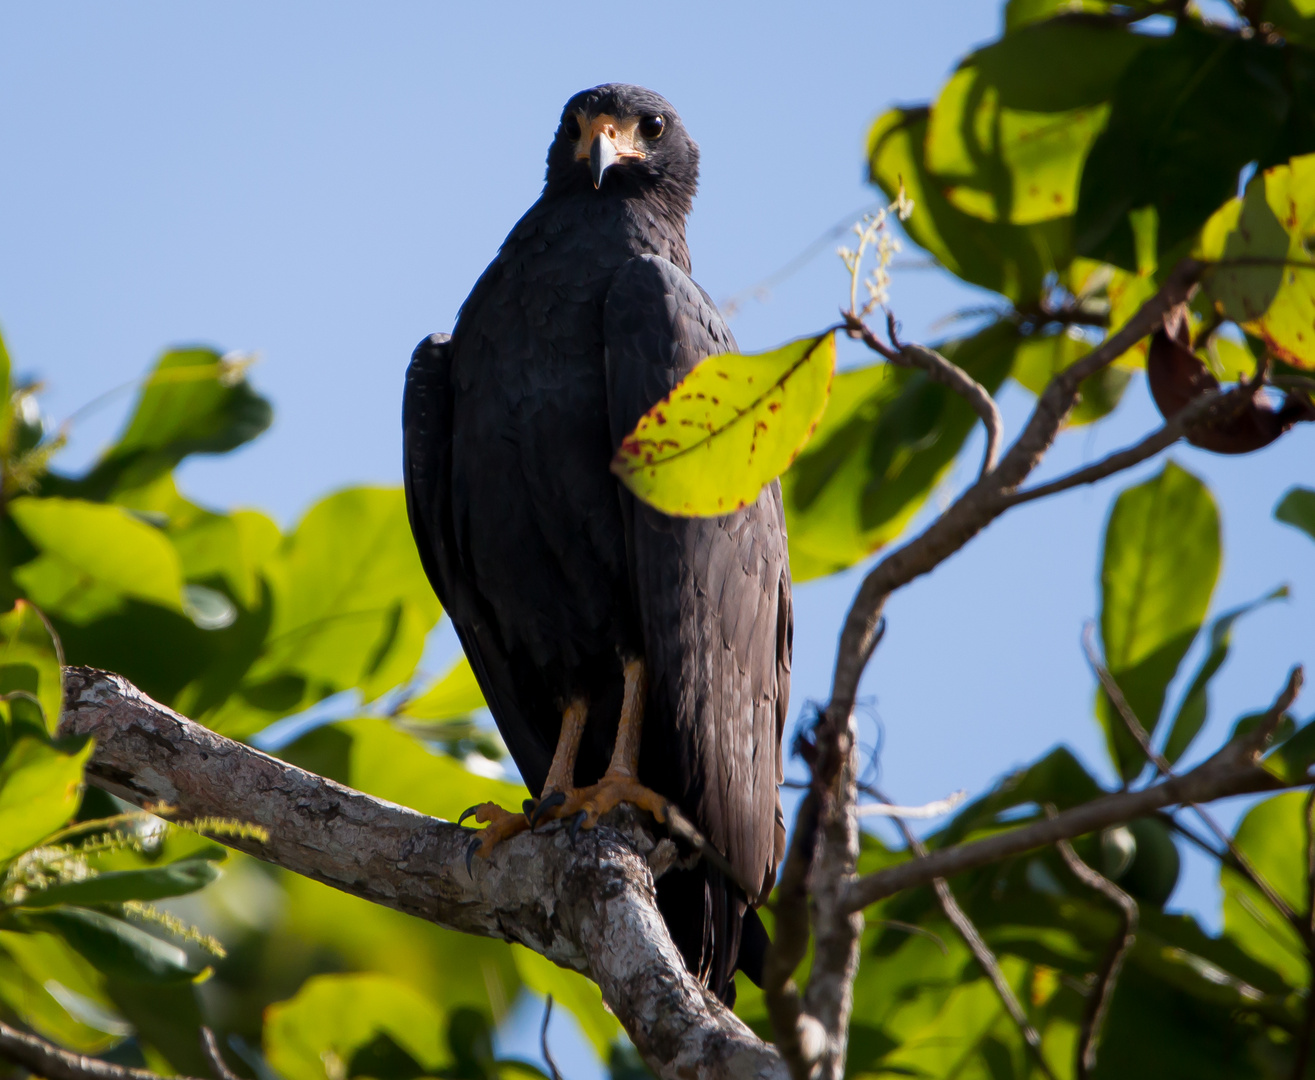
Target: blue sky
[(323, 183)]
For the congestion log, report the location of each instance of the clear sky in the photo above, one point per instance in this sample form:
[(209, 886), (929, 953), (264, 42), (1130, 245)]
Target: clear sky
[(323, 182)]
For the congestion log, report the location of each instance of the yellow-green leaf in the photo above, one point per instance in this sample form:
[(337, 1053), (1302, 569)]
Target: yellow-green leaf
[(320, 1031), (102, 546), (29, 661), (39, 791), (452, 695), (729, 428), (1266, 280)]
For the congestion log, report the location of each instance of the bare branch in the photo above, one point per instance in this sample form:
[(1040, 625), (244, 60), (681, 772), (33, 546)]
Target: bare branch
[(938, 808), (984, 501), (218, 1066), (986, 959), (588, 906), (1234, 770), (47, 1060), (1107, 976), (1163, 768)]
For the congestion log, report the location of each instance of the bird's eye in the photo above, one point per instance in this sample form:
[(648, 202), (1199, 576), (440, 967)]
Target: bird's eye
[(651, 127), (571, 126)]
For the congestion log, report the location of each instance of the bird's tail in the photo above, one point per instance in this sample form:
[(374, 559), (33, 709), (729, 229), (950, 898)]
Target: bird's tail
[(713, 927)]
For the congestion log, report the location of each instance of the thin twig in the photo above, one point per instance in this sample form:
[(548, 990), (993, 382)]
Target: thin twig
[(543, 1040), (1308, 1024), (1098, 1003), (936, 809), (48, 1060), (940, 370), (1162, 766), (986, 959), (1233, 770), (210, 1048)]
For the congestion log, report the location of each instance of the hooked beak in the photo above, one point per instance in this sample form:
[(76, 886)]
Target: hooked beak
[(602, 155), (605, 140)]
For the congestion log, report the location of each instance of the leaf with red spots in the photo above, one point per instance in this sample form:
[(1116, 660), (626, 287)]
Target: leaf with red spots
[(1262, 243), (731, 426)]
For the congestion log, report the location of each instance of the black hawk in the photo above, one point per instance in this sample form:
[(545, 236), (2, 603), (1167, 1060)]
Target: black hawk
[(627, 656)]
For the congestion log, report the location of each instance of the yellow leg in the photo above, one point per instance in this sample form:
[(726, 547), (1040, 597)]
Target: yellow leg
[(620, 784)]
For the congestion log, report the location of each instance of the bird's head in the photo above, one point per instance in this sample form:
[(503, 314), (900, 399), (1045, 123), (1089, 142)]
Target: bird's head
[(623, 140)]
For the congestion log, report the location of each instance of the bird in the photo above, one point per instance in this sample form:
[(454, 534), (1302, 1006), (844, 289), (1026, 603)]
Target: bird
[(626, 655)]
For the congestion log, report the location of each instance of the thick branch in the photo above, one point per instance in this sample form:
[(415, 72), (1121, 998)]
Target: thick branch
[(589, 907), (1234, 770)]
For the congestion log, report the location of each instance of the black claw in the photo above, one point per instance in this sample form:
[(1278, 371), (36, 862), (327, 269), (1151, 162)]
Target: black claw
[(470, 854), (527, 808), (466, 813), (573, 830), (548, 802)]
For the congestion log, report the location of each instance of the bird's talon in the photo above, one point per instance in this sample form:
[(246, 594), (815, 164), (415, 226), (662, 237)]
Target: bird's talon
[(468, 812), (573, 830), (547, 803), (527, 808), (471, 848)]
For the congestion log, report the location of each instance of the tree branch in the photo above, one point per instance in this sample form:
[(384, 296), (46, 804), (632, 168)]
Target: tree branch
[(1234, 770), (1098, 1005), (47, 1060), (588, 906)]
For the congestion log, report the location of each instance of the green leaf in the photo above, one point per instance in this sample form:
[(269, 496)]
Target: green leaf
[(57, 993), (39, 791), (1272, 836), (1298, 508), (728, 429), (1010, 259), (6, 409), (1294, 19), (452, 695), (1021, 13), (115, 947), (886, 440), (1194, 707), (90, 545), (29, 661), (115, 887), (1161, 562), (333, 1017), (1010, 130), (194, 401), (352, 607), (1266, 280), (1189, 112)]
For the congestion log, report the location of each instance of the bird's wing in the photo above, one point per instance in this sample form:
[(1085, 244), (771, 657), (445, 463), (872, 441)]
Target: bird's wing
[(427, 472), (713, 594)]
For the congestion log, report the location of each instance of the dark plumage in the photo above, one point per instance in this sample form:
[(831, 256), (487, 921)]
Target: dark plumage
[(551, 572)]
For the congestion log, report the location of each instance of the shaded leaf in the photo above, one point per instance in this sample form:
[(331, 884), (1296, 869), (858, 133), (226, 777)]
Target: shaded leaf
[(1189, 112), (1298, 508), (194, 401), (1161, 562), (1040, 357), (1194, 707), (728, 429), (52, 989), (115, 947), (886, 439), (40, 786), (117, 886), (1010, 131)]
